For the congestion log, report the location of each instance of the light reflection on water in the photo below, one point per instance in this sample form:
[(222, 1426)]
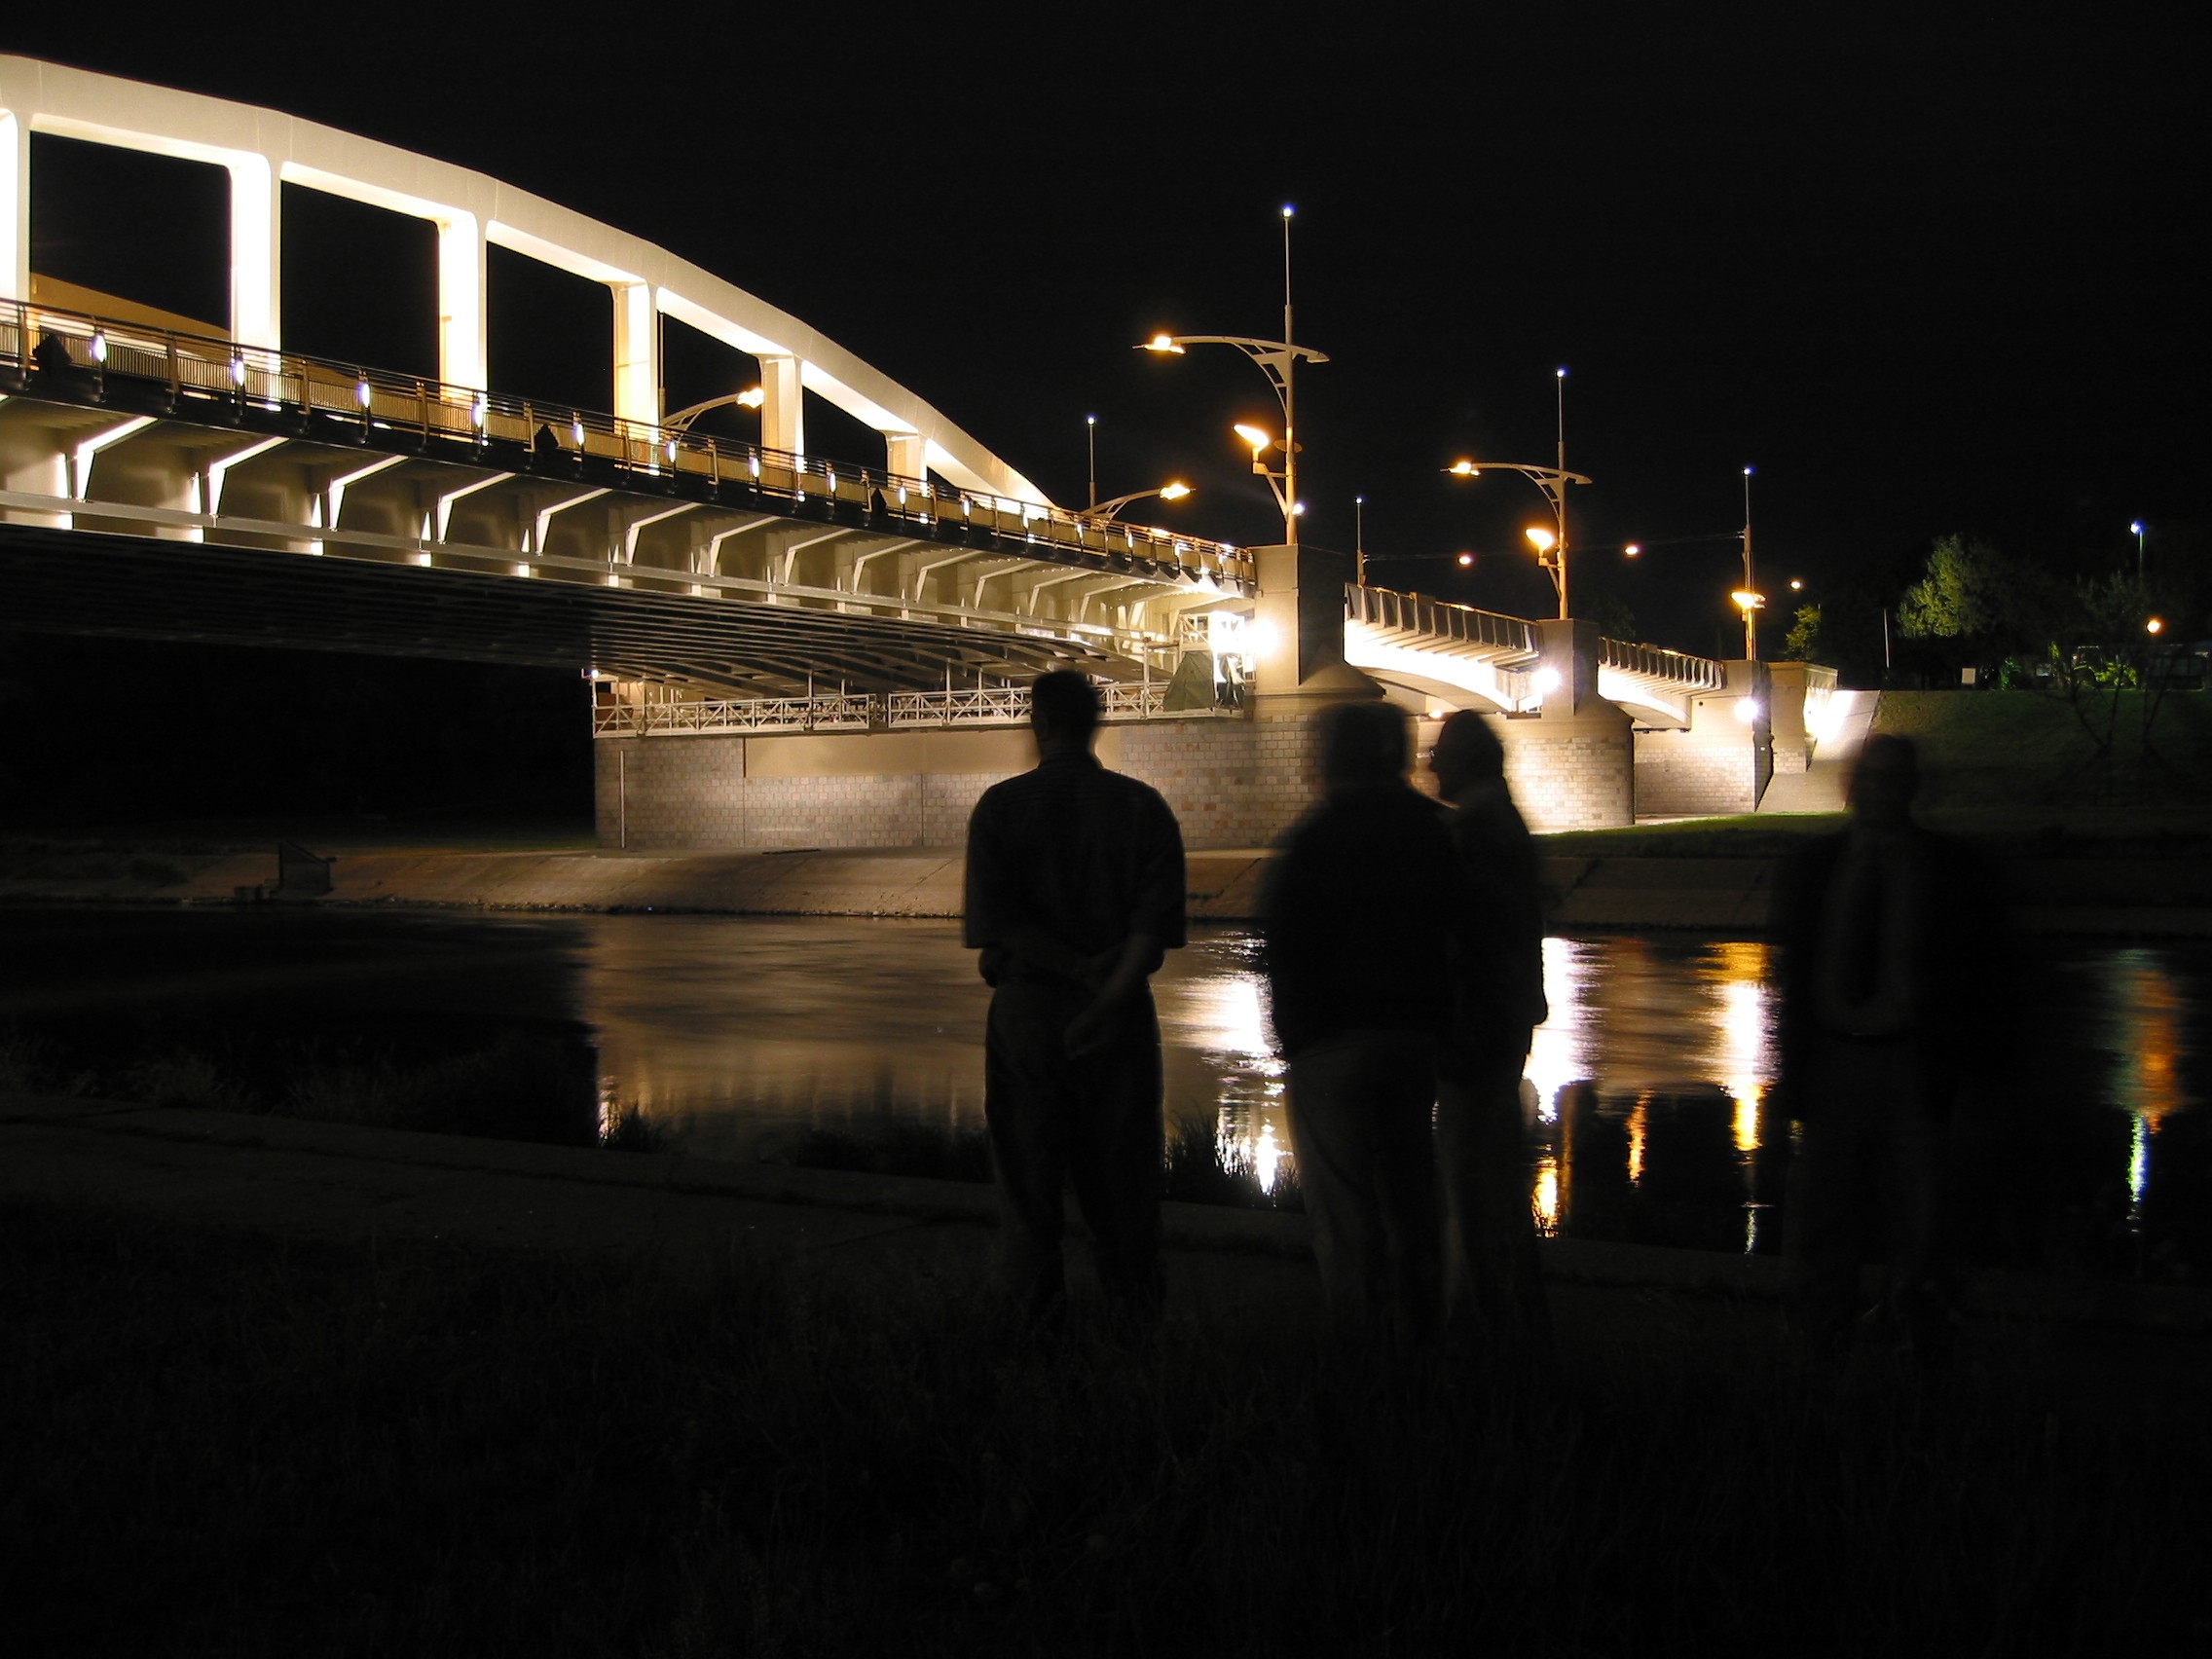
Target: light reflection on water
[(1648, 1100), (1646, 1094)]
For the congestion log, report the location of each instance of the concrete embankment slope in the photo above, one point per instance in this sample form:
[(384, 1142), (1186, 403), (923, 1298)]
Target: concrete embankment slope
[(2139, 897)]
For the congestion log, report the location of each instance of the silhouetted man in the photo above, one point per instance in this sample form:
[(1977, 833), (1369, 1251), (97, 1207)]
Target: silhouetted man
[(1361, 902), (1074, 893), (1493, 1283), (1883, 930)]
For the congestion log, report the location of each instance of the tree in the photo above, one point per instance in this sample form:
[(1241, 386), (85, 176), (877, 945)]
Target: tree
[(1994, 609)]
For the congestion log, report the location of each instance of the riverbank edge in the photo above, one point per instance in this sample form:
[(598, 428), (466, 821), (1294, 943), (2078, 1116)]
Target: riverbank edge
[(291, 1176), (2119, 898)]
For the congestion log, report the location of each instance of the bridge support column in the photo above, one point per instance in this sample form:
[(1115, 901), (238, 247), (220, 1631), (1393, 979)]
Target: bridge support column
[(783, 405), (1299, 669), (1797, 705), (637, 354), (14, 205), (906, 454), (257, 249), (464, 304), (1573, 765), (1723, 762)]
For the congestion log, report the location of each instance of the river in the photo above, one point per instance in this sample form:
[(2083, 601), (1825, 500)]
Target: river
[(1645, 1100)]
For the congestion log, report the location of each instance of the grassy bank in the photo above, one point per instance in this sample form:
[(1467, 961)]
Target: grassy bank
[(227, 1445)]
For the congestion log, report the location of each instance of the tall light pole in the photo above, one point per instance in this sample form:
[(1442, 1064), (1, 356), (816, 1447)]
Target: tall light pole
[(1090, 429), (2137, 528), (1750, 598), (1359, 541), (1551, 550), (1277, 360)]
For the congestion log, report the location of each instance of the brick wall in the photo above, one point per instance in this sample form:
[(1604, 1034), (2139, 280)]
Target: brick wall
[(1690, 773), (1230, 783), (1572, 774)]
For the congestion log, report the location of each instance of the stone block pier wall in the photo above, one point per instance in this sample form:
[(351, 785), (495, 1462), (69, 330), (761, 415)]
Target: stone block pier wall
[(1233, 783)]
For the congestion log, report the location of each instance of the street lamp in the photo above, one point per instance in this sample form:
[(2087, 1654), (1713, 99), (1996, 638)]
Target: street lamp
[(1106, 509), (1090, 427), (1749, 599), (2137, 528), (752, 397), (1278, 360), (1551, 552)]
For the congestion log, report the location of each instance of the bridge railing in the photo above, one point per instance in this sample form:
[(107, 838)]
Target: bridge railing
[(895, 710), (1413, 612), (80, 353), (1668, 667)]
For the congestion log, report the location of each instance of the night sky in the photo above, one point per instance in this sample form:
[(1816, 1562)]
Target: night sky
[(1924, 278)]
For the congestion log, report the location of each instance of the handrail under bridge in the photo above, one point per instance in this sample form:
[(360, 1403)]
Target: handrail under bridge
[(90, 351), (895, 710)]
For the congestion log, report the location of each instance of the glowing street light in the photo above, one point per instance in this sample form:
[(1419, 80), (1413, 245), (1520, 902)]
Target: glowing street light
[(1277, 360), (1106, 509), (1550, 554), (2137, 528), (752, 397)]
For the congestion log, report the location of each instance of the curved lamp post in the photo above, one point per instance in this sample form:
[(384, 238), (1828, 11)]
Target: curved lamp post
[(752, 397), (1551, 551), (1106, 509), (1277, 360)]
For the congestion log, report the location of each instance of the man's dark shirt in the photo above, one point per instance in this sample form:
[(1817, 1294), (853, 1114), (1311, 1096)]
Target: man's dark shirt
[(1087, 854), (1362, 905)]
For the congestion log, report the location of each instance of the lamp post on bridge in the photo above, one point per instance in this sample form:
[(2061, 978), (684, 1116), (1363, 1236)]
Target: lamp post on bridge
[(1749, 596), (1551, 551), (752, 397), (1550, 545), (1106, 509), (1279, 360)]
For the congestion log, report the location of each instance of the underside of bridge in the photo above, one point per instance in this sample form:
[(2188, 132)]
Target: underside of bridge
[(164, 487)]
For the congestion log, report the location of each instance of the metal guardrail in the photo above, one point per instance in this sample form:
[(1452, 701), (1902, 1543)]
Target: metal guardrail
[(1413, 612), (40, 343), (1668, 667), (895, 710)]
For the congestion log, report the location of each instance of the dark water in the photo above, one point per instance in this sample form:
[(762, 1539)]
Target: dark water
[(1646, 1099)]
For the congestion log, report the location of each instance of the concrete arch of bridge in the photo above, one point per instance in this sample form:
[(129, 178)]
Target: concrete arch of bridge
[(262, 149)]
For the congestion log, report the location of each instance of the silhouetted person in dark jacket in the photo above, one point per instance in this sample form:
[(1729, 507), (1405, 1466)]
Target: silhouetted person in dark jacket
[(1492, 1285), (1361, 906), (1074, 892), (1884, 929)]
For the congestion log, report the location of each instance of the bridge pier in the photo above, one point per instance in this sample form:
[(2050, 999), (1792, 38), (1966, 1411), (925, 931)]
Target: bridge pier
[(1572, 763), (1723, 760)]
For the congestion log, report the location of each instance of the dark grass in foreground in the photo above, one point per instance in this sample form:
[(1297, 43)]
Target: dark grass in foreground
[(230, 1445)]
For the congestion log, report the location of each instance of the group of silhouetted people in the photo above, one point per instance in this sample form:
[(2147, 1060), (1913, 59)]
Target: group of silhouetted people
[(1403, 939), (1404, 956)]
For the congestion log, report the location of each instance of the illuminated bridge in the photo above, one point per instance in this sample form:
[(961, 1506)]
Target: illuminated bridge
[(169, 480)]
